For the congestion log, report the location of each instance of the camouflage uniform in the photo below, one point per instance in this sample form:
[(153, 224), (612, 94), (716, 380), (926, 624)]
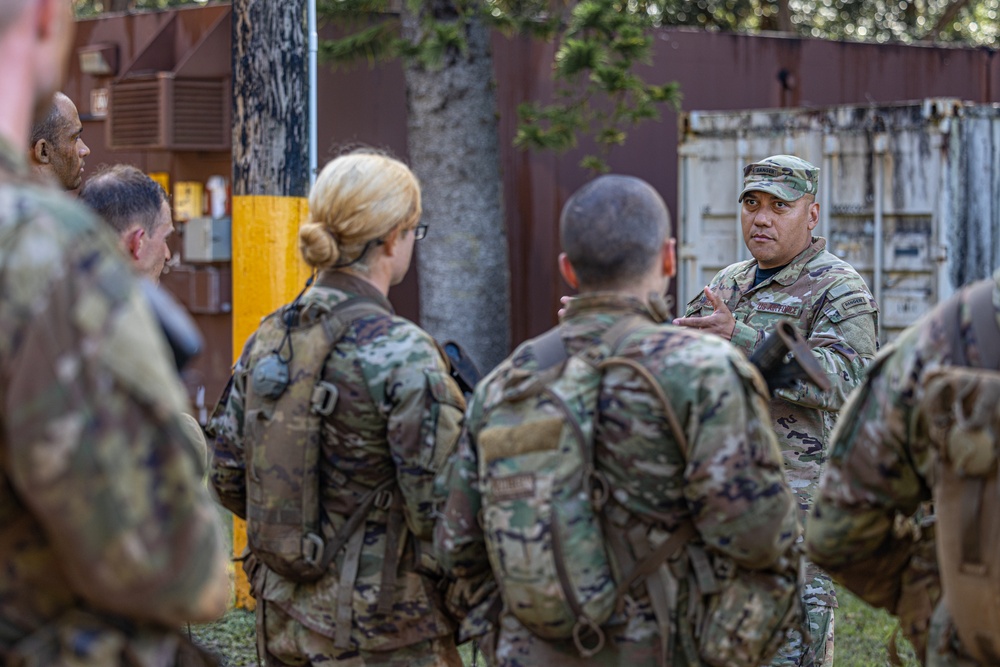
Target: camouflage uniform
[(830, 304), (399, 414), (107, 535), (730, 483), (881, 469)]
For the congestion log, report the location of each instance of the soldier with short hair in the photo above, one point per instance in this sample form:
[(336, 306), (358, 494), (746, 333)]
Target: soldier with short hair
[(719, 471), (109, 542), (380, 414), (793, 277), (137, 209), (57, 149)]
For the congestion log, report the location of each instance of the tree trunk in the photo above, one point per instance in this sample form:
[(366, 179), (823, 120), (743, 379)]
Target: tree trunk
[(453, 146), (270, 95)]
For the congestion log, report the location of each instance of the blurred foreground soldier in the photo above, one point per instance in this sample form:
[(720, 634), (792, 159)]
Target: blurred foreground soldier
[(925, 424), (137, 209), (108, 540), (792, 277), (338, 417), (666, 515), (57, 150)]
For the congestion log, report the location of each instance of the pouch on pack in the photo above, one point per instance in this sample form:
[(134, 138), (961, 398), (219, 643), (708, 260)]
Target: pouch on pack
[(542, 530), (286, 401), (961, 411)]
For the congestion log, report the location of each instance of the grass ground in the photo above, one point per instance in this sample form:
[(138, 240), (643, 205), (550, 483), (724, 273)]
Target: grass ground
[(862, 636)]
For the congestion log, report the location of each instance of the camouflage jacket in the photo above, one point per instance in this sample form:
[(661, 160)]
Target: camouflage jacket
[(101, 501), (730, 483), (864, 527), (399, 414), (831, 306)]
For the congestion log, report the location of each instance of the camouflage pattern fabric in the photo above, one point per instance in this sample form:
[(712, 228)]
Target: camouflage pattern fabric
[(730, 482), (291, 643), (399, 413), (867, 526), (101, 502), (826, 299)]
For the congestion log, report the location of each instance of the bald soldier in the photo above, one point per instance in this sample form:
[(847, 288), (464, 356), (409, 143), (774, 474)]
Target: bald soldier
[(109, 542), (718, 473), (792, 277), (57, 149)]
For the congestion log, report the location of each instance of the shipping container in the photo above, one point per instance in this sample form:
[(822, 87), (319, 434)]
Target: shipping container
[(909, 193)]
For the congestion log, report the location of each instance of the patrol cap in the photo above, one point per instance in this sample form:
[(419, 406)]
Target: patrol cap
[(785, 176)]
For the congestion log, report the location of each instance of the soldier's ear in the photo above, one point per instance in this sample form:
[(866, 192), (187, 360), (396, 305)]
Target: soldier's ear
[(813, 215), (568, 272), (42, 151), (133, 241), (669, 258)]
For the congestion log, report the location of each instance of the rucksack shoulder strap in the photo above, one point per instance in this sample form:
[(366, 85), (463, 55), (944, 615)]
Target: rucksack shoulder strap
[(549, 349), (984, 324)]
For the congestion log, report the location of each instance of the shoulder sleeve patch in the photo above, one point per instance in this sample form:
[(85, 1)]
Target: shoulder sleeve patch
[(852, 305)]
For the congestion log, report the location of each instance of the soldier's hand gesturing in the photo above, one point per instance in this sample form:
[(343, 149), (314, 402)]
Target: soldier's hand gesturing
[(721, 322)]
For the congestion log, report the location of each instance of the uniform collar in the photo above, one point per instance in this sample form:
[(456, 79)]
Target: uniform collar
[(787, 275), (345, 282), (605, 303)]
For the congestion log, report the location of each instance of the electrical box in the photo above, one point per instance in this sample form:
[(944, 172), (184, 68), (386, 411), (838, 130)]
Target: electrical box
[(207, 240)]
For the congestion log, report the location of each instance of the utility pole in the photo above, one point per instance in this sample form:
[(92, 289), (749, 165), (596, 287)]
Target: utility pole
[(270, 172)]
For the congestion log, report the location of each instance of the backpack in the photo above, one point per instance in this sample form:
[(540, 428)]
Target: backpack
[(547, 530), (541, 528), (286, 401), (961, 409)]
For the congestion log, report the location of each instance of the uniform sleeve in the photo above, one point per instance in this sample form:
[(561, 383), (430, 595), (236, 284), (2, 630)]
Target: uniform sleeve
[(98, 452), (735, 487), (424, 423), (854, 530), (844, 340), (227, 470), (458, 537)]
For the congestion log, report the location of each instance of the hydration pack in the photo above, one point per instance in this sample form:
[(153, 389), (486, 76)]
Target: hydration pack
[(286, 402)]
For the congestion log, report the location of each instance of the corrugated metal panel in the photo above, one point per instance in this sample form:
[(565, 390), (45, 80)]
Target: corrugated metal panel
[(908, 193), (201, 119), (134, 112)]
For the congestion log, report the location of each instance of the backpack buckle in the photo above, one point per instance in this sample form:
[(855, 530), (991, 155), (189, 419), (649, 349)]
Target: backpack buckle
[(324, 398), (312, 548), (383, 500)]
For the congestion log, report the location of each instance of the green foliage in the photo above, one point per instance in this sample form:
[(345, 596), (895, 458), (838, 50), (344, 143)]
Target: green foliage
[(600, 44), (598, 91), (91, 8)]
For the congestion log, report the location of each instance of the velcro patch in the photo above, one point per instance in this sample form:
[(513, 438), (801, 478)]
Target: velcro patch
[(504, 442), (780, 308), (513, 487), (856, 301)]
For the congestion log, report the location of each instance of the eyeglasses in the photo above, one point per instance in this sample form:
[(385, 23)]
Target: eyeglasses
[(419, 232)]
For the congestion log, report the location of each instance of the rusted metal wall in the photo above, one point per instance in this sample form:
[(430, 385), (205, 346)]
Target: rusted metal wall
[(716, 71)]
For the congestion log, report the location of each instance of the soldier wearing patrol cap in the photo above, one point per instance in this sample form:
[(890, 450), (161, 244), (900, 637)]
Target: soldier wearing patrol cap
[(793, 277)]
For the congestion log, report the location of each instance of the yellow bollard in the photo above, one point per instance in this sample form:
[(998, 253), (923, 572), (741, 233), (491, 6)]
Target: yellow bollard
[(267, 273)]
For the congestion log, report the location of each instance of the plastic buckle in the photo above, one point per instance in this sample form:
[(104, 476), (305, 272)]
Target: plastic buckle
[(324, 398), (312, 548), (383, 500)]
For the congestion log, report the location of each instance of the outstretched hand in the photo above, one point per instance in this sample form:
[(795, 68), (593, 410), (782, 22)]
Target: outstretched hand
[(721, 322)]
